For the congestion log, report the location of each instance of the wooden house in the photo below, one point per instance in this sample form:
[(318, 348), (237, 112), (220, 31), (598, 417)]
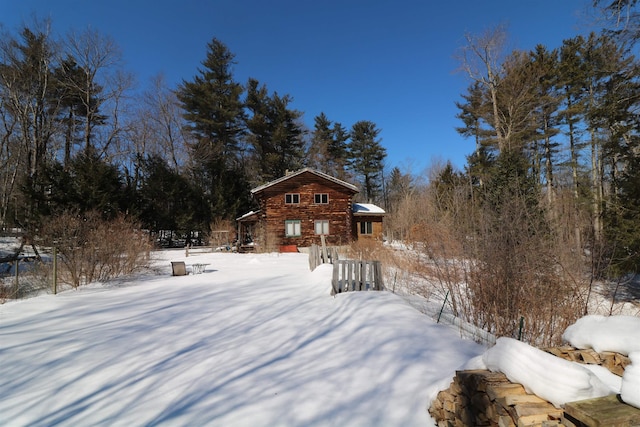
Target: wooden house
[(297, 209), (367, 221)]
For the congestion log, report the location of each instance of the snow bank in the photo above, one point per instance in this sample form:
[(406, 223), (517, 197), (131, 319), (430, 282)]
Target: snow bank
[(545, 375), (620, 334), (630, 390)]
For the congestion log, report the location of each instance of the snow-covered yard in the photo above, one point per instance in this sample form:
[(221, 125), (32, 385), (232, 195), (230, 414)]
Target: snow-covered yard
[(256, 340)]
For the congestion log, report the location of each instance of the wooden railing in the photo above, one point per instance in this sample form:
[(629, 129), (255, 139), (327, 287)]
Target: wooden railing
[(357, 275)]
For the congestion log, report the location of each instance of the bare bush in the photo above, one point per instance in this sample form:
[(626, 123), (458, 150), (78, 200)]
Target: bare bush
[(367, 249), (92, 249), (518, 285), (493, 264)]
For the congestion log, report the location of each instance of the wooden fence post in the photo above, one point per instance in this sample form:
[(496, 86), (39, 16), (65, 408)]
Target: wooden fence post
[(324, 249), (378, 280)]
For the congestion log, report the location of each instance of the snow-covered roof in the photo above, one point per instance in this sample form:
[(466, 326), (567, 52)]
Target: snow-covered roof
[(367, 209), (248, 214), (301, 171)]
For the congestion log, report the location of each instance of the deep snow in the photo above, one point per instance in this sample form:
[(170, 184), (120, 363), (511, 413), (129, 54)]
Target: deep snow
[(257, 340)]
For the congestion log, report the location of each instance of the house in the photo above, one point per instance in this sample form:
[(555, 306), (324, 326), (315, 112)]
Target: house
[(367, 221), (298, 208)]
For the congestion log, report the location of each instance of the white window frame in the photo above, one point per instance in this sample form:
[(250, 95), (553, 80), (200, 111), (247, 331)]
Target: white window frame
[(321, 198), (292, 198), (321, 226), (292, 228), (366, 227)]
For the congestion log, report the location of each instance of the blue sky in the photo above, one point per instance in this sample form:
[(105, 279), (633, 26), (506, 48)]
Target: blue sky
[(390, 62)]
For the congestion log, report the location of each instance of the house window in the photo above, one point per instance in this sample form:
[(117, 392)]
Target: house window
[(321, 198), (366, 227), (322, 226), (292, 198), (292, 228)]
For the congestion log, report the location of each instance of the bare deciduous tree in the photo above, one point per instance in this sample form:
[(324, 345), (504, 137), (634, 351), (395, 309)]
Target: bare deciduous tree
[(481, 59), (96, 56)]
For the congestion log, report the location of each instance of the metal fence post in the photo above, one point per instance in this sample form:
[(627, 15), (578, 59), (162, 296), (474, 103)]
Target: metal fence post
[(55, 271), (17, 275)]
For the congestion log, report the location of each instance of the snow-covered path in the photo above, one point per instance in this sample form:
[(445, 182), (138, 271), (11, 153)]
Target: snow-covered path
[(254, 341)]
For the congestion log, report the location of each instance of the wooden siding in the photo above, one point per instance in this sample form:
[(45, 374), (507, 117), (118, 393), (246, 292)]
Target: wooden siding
[(274, 212), (377, 229)]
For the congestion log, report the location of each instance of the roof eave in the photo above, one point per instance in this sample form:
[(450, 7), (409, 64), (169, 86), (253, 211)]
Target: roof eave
[(301, 171)]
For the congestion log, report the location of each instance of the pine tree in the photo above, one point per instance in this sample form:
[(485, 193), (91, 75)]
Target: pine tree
[(76, 107), (475, 114), (399, 187), (275, 133), (338, 151), (546, 116), (321, 139), (622, 220), (328, 150), (287, 140), (167, 200), (366, 158), (259, 128), (215, 112), (87, 183)]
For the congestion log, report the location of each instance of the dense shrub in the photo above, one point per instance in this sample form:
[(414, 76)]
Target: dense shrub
[(91, 248)]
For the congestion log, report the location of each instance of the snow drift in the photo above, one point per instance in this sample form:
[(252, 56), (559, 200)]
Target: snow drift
[(620, 334), (545, 375)]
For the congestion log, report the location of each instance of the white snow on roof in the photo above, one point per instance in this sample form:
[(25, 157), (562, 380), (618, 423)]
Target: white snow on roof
[(363, 208), (248, 214)]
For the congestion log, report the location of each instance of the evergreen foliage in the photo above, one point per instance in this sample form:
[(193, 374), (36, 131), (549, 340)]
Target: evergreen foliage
[(338, 151), (215, 113), (329, 148), (399, 187), (274, 133), (321, 136), (87, 184), (168, 200), (366, 158), (556, 125), (570, 114)]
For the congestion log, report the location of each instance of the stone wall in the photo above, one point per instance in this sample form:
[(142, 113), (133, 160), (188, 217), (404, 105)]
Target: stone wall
[(483, 398)]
